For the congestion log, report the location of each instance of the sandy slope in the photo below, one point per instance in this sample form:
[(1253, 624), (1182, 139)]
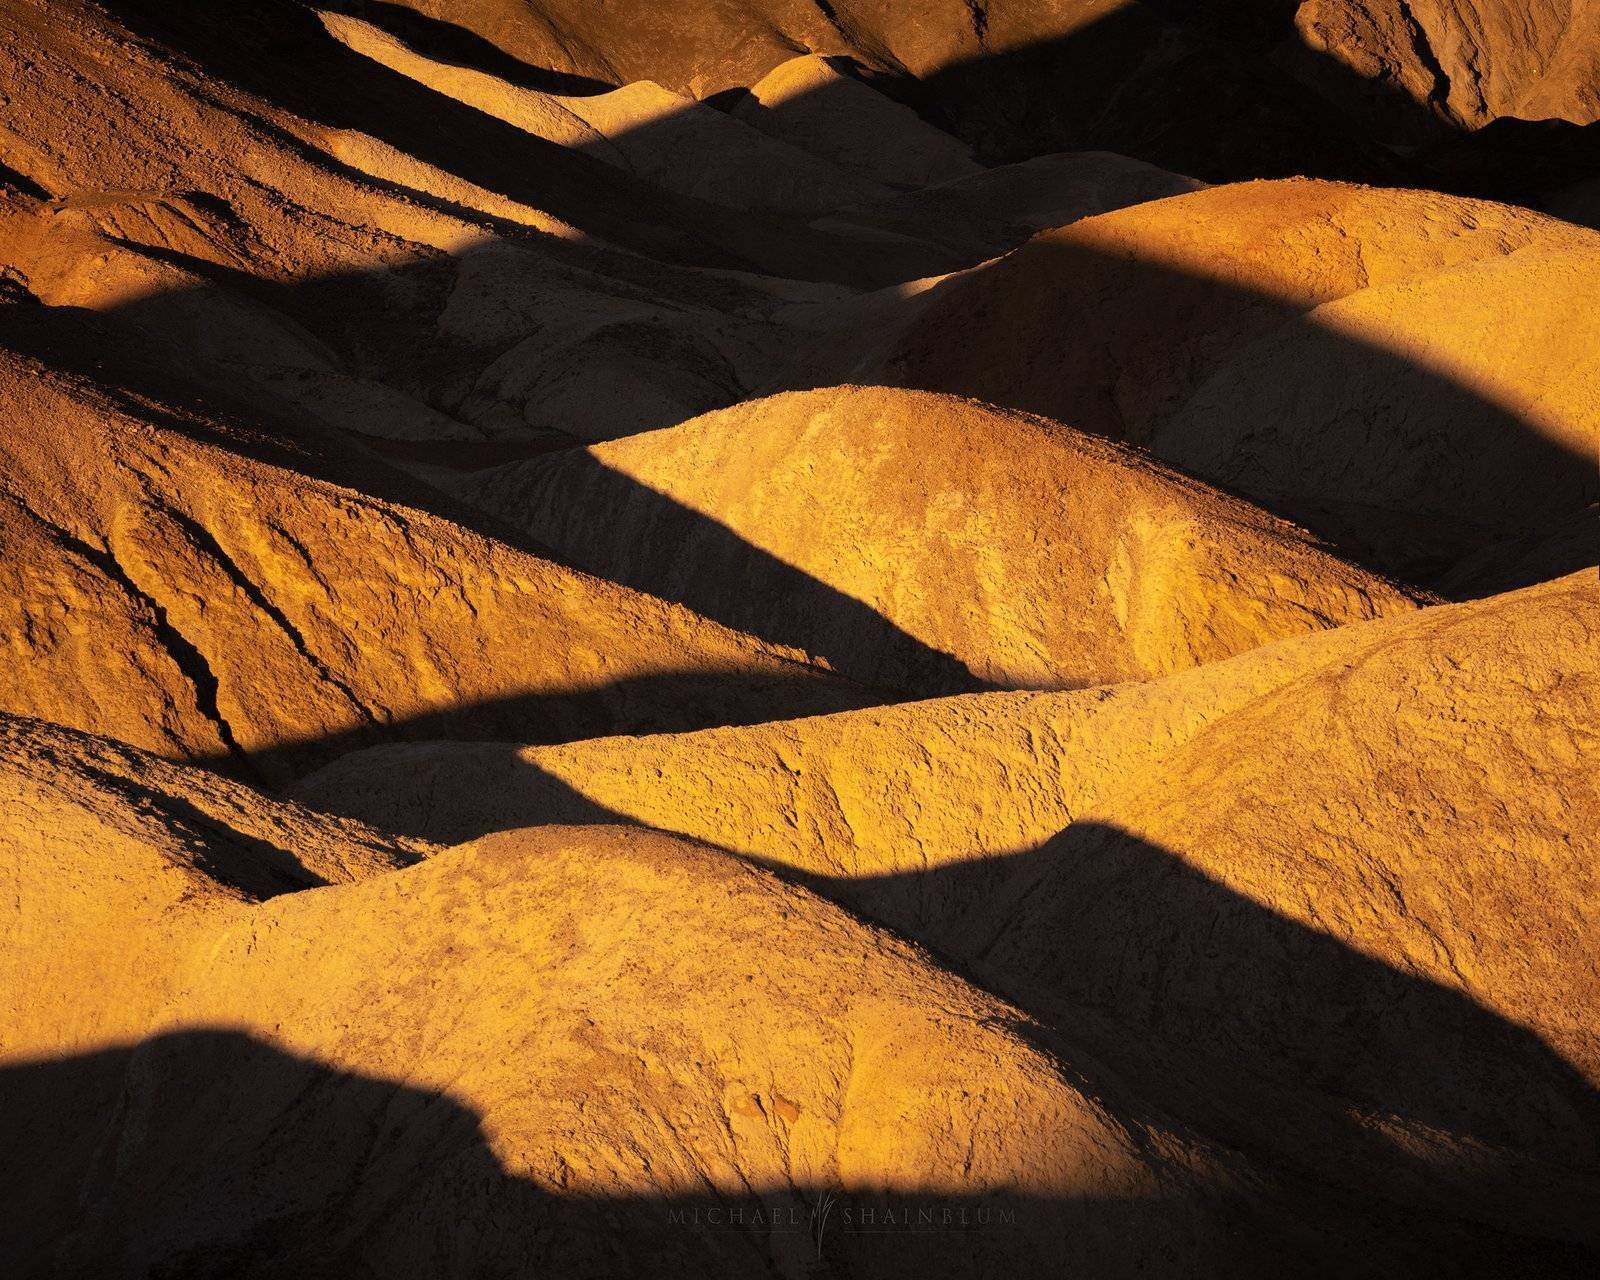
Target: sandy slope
[(1403, 371), (320, 230), (1268, 952), (113, 858), (169, 589), (819, 106), (495, 1036), (703, 46), (1248, 854), (663, 137), (1468, 61), (341, 1077), (985, 214), (1030, 555), (1224, 89)]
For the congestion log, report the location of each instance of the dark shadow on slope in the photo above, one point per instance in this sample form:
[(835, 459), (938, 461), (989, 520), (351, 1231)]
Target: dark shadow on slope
[(1280, 1038), (1521, 161), (278, 52), (1380, 499), (1220, 91), (1270, 1036), (671, 702), (246, 860), (453, 43), (127, 365), (1375, 493), (1536, 163), (208, 1153), (1226, 91), (1175, 1007), (1552, 549), (1402, 469), (1418, 536), (227, 855), (1319, 1062), (693, 151), (160, 378), (1135, 84), (613, 526), (507, 792), (20, 182)]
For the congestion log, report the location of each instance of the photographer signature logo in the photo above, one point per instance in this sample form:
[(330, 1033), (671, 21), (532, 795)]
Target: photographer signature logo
[(819, 1217), (833, 1214)]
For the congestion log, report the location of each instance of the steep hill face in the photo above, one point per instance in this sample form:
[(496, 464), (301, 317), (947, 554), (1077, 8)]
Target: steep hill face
[(282, 1076), (818, 105), (1228, 867), (660, 136), (1339, 88), (1398, 851), (474, 475), (413, 250), (703, 46), (922, 543), (856, 797), (356, 1077), (114, 857), (1467, 62), (299, 133), (168, 589), (1013, 79), (1339, 354)]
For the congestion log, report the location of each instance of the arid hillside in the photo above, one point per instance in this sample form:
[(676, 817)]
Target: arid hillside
[(1222, 88), (756, 638)]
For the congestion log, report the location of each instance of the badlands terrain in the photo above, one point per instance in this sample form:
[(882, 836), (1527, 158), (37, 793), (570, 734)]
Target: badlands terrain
[(772, 638)]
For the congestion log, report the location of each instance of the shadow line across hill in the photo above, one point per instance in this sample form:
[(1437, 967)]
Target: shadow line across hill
[(1214, 1006), (267, 1163), (1401, 501), (1226, 90), (1272, 1036), (1514, 458), (1171, 1000), (1516, 470)]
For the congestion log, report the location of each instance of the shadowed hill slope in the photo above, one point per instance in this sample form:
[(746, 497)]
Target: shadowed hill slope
[(487, 1060), (987, 213), (284, 107), (112, 854), (1015, 78), (853, 521), (651, 132), (1226, 90), (767, 1063), (396, 261), (364, 365), (1408, 374), (1412, 788), (183, 597), (816, 104), (1467, 62)]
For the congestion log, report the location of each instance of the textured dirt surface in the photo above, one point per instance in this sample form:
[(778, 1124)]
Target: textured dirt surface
[(1221, 88), (1335, 352), (816, 640), (164, 590), (1231, 865), (625, 1074), (920, 542), (1467, 61)]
